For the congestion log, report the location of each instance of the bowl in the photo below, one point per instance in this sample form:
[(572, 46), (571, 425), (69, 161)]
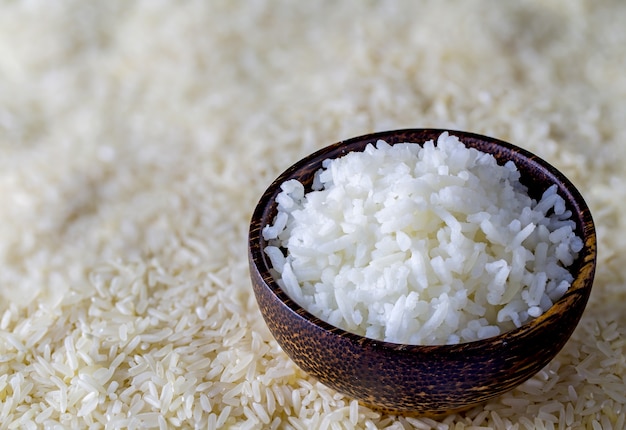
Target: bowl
[(430, 380)]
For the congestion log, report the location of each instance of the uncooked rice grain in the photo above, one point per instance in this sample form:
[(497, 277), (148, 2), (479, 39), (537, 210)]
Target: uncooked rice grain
[(136, 138)]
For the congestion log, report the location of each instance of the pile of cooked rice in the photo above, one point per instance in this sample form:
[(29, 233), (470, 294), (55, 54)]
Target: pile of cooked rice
[(421, 245), (136, 138)]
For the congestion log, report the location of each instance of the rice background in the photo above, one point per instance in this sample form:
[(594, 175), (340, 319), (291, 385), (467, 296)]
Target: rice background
[(136, 138)]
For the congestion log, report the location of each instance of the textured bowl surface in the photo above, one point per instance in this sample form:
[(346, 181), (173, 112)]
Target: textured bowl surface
[(428, 380)]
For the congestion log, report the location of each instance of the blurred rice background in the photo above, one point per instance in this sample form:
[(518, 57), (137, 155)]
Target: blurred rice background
[(136, 138)]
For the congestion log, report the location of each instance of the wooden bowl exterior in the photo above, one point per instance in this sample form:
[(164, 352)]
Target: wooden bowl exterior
[(428, 380)]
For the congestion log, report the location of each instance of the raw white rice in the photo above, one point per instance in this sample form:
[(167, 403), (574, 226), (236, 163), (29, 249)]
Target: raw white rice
[(136, 137), (423, 244)]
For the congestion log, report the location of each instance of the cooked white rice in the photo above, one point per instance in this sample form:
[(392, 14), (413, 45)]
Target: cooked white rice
[(136, 137), (421, 245)]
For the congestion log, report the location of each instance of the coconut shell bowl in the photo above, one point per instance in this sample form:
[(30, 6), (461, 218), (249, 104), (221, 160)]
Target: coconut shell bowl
[(431, 380)]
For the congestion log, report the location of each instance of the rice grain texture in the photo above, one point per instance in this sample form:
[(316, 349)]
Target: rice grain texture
[(136, 138), (421, 245)]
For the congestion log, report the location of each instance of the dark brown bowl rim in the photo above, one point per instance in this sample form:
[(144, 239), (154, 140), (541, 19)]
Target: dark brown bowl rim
[(583, 275)]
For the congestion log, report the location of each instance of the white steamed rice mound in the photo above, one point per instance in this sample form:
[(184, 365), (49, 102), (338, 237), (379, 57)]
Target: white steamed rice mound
[(421, 245)]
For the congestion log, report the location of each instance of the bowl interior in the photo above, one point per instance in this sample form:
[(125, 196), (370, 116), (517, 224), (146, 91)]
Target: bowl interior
[(536, 174)]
